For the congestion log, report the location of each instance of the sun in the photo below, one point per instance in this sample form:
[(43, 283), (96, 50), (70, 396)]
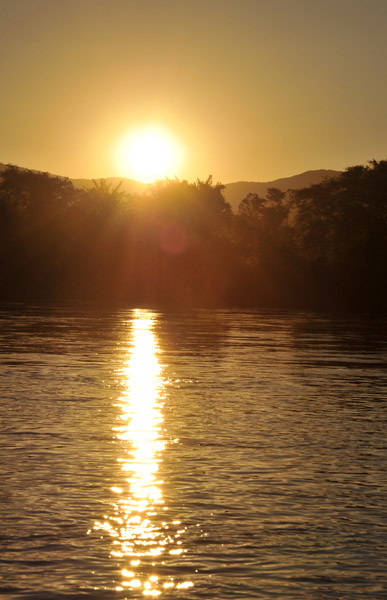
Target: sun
[(148, 154)]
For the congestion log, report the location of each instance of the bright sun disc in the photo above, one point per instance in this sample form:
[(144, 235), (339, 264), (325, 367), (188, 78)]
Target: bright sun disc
[(149, 154)]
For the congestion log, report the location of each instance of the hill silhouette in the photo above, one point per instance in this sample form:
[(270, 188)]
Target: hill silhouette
[(130, 186), (233, 192)]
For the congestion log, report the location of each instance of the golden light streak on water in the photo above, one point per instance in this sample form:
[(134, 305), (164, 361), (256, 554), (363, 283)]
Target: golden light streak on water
[(140, 533)]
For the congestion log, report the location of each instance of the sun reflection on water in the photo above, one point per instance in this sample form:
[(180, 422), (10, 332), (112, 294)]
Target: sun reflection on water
[(142, 535)]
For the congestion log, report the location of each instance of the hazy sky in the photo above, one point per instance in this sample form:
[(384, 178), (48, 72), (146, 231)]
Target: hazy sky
[(252, 89)]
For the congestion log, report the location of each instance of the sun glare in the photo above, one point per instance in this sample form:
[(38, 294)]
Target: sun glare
[(149, 154), (143, 536)]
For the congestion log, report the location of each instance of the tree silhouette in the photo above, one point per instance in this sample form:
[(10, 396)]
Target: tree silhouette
[(340, 226), (179, 243)]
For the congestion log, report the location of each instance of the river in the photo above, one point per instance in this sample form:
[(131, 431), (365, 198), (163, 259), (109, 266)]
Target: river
[(203, 454)]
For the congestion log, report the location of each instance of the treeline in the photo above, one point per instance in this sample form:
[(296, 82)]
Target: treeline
[(179, 244)]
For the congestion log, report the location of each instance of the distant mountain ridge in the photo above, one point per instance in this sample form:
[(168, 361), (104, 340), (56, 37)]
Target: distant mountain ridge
[(131, 186), (233, 192)]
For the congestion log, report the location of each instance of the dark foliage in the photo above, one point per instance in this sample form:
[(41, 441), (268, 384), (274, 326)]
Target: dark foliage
[(340, 229), (179, 244)]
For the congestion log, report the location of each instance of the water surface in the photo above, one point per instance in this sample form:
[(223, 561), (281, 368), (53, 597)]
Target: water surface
[(207, 454)]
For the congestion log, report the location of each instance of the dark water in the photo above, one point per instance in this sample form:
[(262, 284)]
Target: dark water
[(212, 454)]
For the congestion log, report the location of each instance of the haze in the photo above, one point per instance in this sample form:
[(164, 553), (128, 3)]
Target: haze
[(252, 89)]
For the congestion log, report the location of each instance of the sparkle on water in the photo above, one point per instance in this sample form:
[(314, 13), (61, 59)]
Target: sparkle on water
[(138, 523)]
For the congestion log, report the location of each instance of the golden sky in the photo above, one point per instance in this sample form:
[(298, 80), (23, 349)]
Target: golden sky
[(249, 89)]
